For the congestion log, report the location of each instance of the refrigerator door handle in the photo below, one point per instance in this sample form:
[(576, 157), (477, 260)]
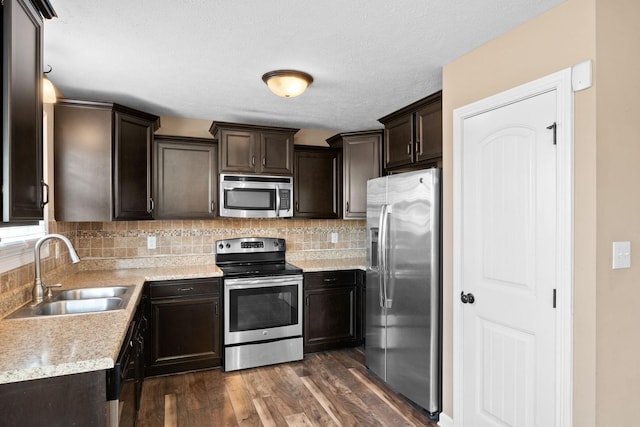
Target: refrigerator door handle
[(383, 243), (388, 302), (381, 255)]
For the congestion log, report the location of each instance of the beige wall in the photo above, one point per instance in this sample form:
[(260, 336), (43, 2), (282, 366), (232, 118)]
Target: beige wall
[(553, 41), (200, 129), (618, 211)]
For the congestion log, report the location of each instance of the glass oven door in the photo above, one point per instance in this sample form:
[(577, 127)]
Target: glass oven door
[(262, 308)]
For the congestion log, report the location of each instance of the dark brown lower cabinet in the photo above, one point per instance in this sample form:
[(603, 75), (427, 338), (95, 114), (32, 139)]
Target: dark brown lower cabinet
[(184, 325), (70, 400), (332, 310)]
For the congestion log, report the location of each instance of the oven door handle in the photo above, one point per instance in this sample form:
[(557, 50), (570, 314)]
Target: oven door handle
[(262, 282)]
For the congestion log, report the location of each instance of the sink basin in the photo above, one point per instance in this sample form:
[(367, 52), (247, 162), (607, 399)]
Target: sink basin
[(87, 293), (79, 306), (79, 300)]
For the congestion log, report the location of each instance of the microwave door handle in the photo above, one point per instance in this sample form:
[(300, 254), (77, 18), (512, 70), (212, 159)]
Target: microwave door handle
[(277, 200)]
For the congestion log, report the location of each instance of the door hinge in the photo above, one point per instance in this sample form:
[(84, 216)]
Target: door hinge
[(554, 298), (554, 127)]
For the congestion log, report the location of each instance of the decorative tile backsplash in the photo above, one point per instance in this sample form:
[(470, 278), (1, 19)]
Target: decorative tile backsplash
[(198, 237), (123, 244)]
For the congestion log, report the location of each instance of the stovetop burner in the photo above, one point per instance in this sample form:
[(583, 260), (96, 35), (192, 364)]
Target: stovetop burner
[(280, 269), (253, 256)]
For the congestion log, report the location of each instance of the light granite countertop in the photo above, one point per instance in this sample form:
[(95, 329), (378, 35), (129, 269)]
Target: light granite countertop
[(49, 346), (331, 264)]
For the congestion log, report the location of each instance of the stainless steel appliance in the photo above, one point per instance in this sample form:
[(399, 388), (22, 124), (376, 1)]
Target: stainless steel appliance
[(403, 297), (256, 196), (262, 303)]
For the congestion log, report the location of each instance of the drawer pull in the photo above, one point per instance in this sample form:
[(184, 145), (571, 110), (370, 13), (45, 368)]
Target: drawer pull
[(185, 289), (334, 279)]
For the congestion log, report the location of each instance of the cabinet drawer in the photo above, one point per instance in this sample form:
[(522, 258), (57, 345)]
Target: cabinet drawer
[(183, 288), (330, 278)]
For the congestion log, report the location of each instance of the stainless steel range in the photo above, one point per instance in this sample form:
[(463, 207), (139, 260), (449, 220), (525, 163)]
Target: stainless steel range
[(262, 303)]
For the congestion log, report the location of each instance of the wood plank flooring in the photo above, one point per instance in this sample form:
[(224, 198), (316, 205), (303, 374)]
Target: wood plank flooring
[(330, 388)]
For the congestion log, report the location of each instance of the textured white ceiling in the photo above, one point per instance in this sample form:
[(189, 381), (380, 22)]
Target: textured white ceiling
[(204, 59)]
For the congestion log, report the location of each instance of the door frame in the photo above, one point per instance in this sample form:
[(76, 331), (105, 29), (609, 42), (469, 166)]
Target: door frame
[(561, 83)]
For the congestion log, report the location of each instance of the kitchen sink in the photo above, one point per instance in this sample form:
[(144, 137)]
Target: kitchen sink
[(79, 306), (87, 293), (77, 301)]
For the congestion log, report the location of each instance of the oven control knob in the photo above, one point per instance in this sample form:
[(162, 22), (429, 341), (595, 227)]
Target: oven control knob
[(275, 244), (228, 245), (264, 333), (220, 246)]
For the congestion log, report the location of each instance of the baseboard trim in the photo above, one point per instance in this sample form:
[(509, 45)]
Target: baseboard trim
[(445, 420)]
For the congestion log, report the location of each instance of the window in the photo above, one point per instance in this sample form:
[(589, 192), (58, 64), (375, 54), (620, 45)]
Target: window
[(16, 245)]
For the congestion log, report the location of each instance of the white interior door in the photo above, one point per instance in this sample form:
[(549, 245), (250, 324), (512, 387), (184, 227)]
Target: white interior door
[(508, 259)]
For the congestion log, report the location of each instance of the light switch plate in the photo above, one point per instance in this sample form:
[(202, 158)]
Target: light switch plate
[(151, 242), (621, 255), (334, 237)]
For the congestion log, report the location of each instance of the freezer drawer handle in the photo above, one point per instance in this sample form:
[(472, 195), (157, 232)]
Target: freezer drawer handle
[(467, 298)]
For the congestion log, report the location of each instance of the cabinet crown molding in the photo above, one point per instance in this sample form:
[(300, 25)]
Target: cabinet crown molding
[(113, 107), (434, 97), (216, 126)]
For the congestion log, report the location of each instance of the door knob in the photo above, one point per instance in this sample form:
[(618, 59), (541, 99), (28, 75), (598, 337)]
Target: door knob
[(467, 298)]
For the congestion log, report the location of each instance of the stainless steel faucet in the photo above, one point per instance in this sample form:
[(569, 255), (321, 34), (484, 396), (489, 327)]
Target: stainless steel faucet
[(39, 289)]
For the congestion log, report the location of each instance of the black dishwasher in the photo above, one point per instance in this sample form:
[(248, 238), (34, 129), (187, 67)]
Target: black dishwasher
[(124, 380)]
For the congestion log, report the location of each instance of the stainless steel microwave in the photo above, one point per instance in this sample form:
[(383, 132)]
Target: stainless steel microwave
[(256, 196)]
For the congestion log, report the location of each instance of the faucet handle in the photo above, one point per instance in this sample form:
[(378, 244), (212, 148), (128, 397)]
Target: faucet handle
[(48, 287)]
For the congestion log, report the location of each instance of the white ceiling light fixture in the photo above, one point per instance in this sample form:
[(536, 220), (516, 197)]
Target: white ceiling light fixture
[(48, 90), (287, 83)]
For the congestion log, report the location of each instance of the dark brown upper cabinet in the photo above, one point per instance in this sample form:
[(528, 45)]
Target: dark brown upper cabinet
[(360, 162), (413, 135), (317, 182), (102, 161), (254, 149), (23, 196), (185, 177)]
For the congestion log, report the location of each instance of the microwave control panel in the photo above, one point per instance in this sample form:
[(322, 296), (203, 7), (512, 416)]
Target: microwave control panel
[(285, 200)]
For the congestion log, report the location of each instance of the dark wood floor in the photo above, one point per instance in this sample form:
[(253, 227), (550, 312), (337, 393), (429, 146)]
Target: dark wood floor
[(325, 389)]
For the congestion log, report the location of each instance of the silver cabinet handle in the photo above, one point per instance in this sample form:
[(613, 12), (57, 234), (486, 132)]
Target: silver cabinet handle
[(45, 200), (185, 289), (253, 160), (347, 206)]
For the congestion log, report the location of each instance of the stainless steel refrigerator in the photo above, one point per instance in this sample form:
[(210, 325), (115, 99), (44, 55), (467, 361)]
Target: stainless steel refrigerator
[(403, 298)]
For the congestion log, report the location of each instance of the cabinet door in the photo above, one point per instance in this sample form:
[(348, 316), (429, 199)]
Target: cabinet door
[(329, 318), (399, 142), (361, 163), (21, 112), (82, 159), (185, 334), (132, 169), (276, 153), (316, 183), (185, 179), (428, 143), (238, 151)]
